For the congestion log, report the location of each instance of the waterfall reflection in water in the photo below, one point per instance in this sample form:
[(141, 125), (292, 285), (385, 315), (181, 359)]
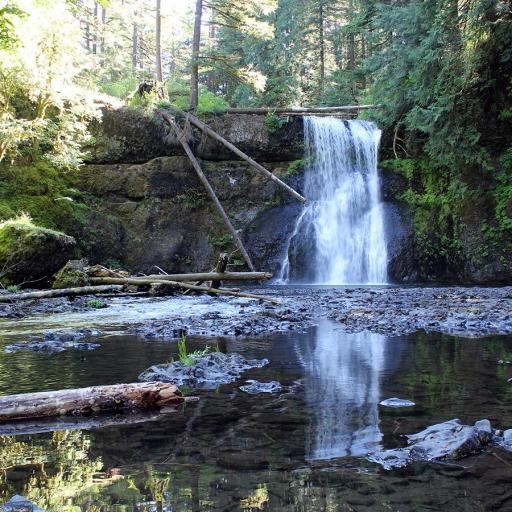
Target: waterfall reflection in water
[(342, 385)]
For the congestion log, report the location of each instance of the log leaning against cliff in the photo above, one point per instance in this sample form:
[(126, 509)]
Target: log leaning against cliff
[(204, 127), (181, 136), (86, 401)]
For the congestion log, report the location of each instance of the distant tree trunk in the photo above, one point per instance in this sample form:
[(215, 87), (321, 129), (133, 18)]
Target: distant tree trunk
[(158, 44), (194, 72), (351, 38), (103, 23), (322, 47), (95, 28), (135, 45)]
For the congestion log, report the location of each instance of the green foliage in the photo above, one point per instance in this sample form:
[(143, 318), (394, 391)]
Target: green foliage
[(120, 87), (297, 166), (96, 304), (275, 123), (195, 199), (186, 358), (8, 37), (13, 288), (503, 193), (112, 264), (222, 242)]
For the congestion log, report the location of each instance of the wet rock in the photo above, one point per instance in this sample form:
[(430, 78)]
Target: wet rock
[(507, 439), (20, 504), (253, 387), (501, 361), (396, 402), (207, 372), (450, 440), (56, 342)]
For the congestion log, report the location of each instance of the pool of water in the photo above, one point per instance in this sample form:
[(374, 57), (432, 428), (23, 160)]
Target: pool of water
[(300, 450)]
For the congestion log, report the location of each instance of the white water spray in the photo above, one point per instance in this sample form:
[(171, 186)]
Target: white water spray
[(339, 237)]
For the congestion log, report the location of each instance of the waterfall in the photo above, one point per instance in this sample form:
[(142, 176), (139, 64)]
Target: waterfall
[(339, 236)]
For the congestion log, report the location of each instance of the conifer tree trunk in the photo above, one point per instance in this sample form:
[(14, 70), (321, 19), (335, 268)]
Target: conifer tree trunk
[(135, 45), (95, 28), (322, 47), (194, 73), (351, 38), (158, 45)]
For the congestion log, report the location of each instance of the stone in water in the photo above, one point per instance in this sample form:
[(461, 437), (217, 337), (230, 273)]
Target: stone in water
[(397, 402)]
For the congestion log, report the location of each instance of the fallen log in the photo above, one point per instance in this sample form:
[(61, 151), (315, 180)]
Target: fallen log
[(187, 286), (299, 110), (205, 276), (86, 401), (204, 127), (63, 292), (181, 136)]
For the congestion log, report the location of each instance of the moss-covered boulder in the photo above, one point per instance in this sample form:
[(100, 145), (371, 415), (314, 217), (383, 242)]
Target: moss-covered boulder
[(71, 275), (29, 253)]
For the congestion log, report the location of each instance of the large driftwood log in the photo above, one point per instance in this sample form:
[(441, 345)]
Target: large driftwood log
[(185, 286), (207, 276), (299, 110), (86, 401), (63, 292), (204, 127), (181, 135)]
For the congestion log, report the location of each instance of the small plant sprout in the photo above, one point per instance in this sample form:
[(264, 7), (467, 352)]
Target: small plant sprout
[(189, 359)]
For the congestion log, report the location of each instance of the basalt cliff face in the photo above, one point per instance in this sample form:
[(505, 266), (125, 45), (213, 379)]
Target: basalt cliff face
[(156, 211)]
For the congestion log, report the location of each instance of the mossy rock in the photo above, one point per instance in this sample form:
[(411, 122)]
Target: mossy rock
[(71, 275), (29, 253)]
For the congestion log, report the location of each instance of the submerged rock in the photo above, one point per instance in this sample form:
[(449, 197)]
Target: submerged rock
[(57, 341), (450, 440), (253, 387), (20, 504), (396, 402), (207, 372)]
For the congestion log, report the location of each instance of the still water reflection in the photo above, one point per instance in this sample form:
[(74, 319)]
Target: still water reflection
[(301, 450), (342, 386)]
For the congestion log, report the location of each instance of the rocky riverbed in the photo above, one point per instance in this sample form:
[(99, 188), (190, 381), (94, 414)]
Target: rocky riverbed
[(459, 311)]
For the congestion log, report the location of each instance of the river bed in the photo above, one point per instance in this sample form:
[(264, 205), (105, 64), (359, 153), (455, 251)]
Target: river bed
[(303, 449)]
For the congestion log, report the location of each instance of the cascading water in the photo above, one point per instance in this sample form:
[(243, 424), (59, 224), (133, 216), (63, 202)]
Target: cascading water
[(339, 236)]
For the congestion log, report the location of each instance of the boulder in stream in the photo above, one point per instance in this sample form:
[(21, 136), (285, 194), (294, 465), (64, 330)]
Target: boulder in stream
[(20, 504), (56, 341), (208, 371), (397, 403), (31, 253), (254, 387), (450, 440)]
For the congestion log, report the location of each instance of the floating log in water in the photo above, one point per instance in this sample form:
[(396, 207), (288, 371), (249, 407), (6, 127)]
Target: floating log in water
[(186, 286), (86, 401), (299, 110), (204, 127), (181, 136), (63, 292)]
